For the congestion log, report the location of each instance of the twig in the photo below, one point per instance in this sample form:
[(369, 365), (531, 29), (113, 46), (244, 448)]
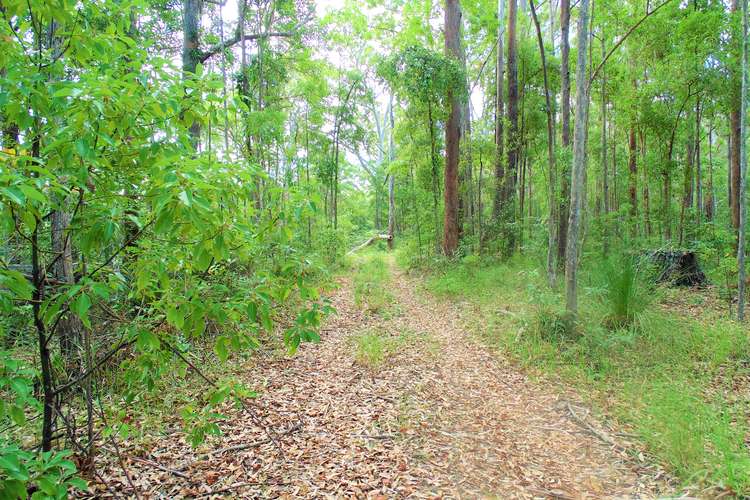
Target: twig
[(253, 417), (254, 444), (589, 428), (377, 436), (160, 466)]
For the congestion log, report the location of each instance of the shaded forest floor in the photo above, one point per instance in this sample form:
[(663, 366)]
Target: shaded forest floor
[(395, 402)]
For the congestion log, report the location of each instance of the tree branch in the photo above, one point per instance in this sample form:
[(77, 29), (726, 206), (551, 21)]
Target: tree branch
[(623, 38), (237, 38)]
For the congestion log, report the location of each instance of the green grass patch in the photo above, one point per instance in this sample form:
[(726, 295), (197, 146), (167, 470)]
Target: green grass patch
[(680, 383), (371, 275), (373, 348)]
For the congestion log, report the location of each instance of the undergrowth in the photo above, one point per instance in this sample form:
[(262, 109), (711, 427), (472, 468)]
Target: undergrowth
[(374, 347), (370, 277), (680, 383)]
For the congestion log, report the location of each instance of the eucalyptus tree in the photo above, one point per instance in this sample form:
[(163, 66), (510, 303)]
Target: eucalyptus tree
[(453, 127), (426, 81), (742, 202), (577, 189)]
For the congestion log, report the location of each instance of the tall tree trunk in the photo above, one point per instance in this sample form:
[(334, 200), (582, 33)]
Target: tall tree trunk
[(742, 200), (191, 18), (466, 192), (391, 177), (686, 187), (736, 141), (499, 113), (632, 179), (698, 164), (514, 140), (579, 162), (605, 172), (646, 193), (563, 212), (452, 134), (552, 220), (710, 202)]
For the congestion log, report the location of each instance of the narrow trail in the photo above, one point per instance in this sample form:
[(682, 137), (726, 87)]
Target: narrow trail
[(443, 418)]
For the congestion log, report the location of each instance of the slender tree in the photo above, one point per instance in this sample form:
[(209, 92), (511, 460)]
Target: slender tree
[(391, 177), (452, 133), (735, 142), (552, 220), (499, 112), (742, 201), (563, 212), (577, 188), (514, 138)]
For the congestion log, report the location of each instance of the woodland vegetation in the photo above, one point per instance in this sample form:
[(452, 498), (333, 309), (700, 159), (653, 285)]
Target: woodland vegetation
[(181, 181)]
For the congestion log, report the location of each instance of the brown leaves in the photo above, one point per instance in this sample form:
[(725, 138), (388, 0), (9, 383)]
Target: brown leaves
[(442, 418)]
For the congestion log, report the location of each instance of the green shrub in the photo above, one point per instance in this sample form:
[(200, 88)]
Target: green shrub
[(624, 293)]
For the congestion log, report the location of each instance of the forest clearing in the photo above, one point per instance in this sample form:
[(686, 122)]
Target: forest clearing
[(374, 249)]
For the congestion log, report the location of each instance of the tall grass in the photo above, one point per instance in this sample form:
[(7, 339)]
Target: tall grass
[(371, 275), (624, 292)]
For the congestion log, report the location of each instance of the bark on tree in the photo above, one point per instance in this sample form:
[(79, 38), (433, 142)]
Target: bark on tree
[(391, 179), (698, 164), (605, 169), (579, 162), (514, 140), (735, 142), (466, 194), (452, 134), (742, 200), (191, 16), (563, 211), (499, 113), (633, 179)]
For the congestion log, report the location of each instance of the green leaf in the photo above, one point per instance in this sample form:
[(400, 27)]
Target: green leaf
[(175, 316), (147, 340), (78, 483), (221, 348), (265, 318), (14, 194)]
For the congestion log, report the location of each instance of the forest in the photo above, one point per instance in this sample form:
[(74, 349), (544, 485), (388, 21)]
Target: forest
[(374, 249)]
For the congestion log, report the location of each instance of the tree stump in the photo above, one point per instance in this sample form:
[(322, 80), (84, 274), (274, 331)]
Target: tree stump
[(678, 268)]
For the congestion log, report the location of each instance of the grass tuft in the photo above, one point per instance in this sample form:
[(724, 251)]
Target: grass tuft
[(370, 281)]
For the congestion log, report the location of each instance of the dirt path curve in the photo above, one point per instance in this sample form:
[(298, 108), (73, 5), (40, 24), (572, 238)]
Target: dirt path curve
[(443, 418)]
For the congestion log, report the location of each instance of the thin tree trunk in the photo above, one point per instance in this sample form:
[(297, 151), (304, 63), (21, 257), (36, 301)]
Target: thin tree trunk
[(563, 212), (452, 135), (499, 114), (552, 219), (698, 164), (191, 18), (633, 180), (605, 173), (742, 201), (579, 162), (391, 177), (511, 171), (736, 141)]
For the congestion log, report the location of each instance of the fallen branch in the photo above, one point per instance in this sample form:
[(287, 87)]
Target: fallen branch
[(239, 447), (160, 466), (369, 242), (590, 428)]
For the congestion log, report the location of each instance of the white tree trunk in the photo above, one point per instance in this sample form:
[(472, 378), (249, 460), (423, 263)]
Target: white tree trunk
[(577, 177), (391, 178)]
